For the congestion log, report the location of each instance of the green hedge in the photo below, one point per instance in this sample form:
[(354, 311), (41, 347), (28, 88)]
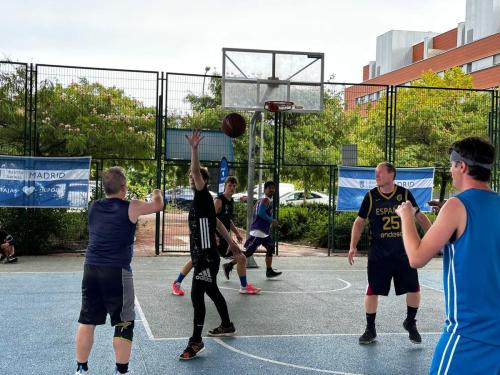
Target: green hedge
[(39, 231)]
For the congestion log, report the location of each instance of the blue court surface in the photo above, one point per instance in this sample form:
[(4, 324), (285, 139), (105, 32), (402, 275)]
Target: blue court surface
[(306, 322)]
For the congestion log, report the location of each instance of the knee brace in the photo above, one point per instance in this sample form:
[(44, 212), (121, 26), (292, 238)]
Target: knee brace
[(124, 330)]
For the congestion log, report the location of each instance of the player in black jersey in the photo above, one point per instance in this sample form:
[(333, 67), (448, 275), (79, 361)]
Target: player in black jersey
[(224, 207), (202, 226), (387, 258)]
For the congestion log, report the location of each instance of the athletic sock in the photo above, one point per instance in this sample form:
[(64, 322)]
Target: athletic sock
[(82, 365), (411, 313), (243, 281), (370, 320), (122, 368), (180, 278)]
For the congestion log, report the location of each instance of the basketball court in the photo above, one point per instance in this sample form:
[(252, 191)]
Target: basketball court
[(305, 322)]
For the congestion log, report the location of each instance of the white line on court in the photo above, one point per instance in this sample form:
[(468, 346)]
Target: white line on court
[(430, 287), (301, 335), (227, 346), (144, 320), (347, 285)]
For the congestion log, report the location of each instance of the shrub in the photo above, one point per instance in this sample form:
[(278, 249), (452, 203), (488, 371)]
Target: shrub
[(42, 230)]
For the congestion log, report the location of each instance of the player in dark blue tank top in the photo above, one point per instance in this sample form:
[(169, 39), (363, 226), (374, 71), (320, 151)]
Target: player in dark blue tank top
[(468, 227), (107, 285)]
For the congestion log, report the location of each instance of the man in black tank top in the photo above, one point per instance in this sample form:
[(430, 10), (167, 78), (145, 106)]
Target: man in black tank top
[(107, 285), (202, 226), (387, 258)]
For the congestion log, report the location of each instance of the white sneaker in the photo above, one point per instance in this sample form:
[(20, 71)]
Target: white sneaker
[(82, 372)]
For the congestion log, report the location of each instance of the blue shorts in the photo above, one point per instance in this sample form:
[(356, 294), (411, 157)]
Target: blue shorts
[(455, 354), (252, 243)]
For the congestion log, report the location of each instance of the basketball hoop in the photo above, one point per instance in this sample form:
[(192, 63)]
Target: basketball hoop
[(278, 106)]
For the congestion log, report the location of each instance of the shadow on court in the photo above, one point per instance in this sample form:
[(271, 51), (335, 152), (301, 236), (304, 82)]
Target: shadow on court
[(308, 321)]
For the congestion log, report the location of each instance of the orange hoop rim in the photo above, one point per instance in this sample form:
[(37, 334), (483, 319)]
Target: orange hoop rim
[(278, 106)]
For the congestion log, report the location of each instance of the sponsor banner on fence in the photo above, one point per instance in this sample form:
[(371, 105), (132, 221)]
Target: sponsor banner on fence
[(223, 174), (355, 182), (44, 182)]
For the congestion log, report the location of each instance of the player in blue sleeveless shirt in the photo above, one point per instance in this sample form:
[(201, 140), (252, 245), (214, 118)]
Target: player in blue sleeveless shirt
[(107, 285), (468, 227)]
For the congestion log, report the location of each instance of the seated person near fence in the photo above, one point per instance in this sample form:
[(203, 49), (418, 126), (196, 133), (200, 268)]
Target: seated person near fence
[(7, 249)]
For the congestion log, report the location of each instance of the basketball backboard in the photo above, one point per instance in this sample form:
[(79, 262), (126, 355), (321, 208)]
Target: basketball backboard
[(252, 77)]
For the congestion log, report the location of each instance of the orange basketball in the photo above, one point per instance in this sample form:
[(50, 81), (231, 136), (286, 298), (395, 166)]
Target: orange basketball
[(233, 125)]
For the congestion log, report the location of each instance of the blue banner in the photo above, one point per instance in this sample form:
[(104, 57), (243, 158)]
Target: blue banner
[(223, 174), (355, 182), (44, 182)]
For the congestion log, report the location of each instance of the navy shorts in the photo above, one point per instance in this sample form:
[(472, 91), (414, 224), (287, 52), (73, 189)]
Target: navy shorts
[(107, 290), (252, 243), (382, 272)]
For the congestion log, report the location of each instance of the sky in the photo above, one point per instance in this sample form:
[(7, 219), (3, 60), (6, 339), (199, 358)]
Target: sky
[(187, 36)]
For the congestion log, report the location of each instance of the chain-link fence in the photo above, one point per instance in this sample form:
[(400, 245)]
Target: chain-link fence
[(138, 119)]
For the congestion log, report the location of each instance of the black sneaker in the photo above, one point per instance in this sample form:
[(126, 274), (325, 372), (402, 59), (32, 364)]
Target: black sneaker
[(413, 334), (192, 350), (11, 259), (2, 257), (368, 337), (227, 267), (270, 273), (221, 331)]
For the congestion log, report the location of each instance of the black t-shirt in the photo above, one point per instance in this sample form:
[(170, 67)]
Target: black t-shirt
[(386, 239), (202, 227), (226, 212)]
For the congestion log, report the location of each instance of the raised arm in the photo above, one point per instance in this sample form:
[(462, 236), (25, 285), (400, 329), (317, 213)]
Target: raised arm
[(138, 208), (451, 220), (194, 140)]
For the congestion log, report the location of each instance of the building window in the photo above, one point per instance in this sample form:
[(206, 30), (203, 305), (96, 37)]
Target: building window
[(496, 59)]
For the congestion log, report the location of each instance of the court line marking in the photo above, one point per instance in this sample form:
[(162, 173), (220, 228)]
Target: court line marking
[(430, 287), (233, 349), (310, 335), (347, 286), (143, 319)]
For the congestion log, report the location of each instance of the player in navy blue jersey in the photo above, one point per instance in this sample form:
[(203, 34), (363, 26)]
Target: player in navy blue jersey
[(468, 226), (387, 259), (107, 285)]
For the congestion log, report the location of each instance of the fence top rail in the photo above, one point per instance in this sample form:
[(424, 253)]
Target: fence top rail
[(193, 75), (444, 88), (97, 68), (350, 84), (13, 62)]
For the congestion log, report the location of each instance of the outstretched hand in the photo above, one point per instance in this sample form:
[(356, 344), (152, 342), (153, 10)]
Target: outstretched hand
[(195, 138)]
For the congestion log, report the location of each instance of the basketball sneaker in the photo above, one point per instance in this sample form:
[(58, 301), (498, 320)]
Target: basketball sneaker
[(81, 371), (270, 273), (192, 350), (222, 331), (368, 337), (176, 289), (227, 267), (250, 289), (413, 335), (11, 259)]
